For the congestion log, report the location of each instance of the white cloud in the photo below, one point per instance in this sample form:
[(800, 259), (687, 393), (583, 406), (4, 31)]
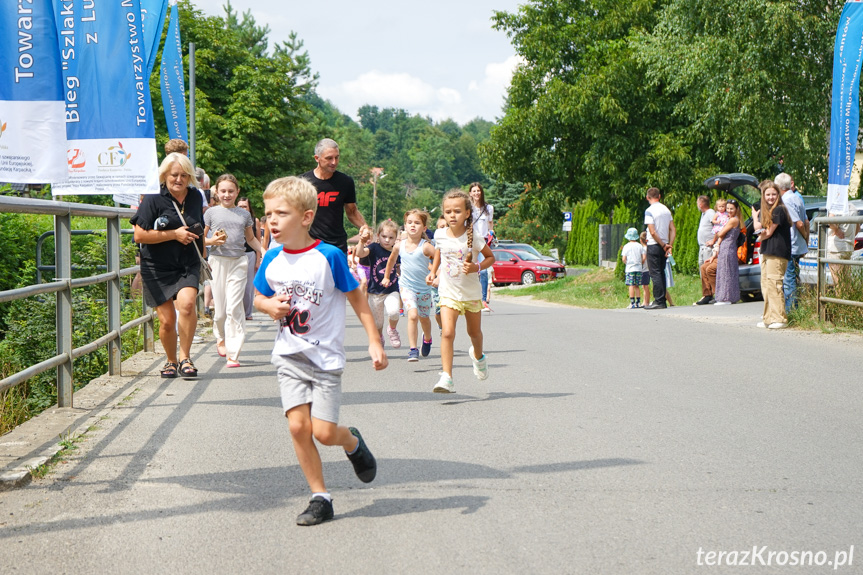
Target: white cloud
[(482, 98)]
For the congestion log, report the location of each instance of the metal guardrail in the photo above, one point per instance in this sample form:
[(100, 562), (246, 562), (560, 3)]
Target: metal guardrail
[(63, 284), (823, 261)]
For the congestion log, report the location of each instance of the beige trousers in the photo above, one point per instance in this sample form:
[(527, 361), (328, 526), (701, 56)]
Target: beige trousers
[(772, 272), (229, 314)]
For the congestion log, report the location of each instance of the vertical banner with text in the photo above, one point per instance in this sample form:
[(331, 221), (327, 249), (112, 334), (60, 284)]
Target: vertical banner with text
[(173, 84), (152, 20), (845, 110), (32, 130), (109, 118)]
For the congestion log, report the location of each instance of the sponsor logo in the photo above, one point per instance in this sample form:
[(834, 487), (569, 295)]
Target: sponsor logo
[(114, 157), (327, 198), (75, 158), (2, 128)]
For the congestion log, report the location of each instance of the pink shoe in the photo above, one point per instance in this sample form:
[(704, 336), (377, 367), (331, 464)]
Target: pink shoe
[(233, 363), (394, 337)]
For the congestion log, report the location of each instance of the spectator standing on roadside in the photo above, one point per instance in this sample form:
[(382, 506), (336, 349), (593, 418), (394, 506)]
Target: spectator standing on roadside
[(840, 245), (799, 238), (633, 256), (660, 242), (705, 230), (775, 238), (645, 271), (337, 196), (483, 226)]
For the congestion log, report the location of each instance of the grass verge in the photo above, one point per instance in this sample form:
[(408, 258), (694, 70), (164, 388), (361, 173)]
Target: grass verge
[(599, 289)]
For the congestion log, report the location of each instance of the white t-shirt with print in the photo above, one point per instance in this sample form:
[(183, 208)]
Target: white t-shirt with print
[(317, 279), (454, 283)]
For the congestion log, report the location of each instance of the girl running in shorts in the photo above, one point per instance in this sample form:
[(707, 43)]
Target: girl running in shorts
[(456, 250), (415, 254)]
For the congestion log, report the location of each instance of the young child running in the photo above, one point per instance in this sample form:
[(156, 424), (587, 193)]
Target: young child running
[(304, 286), (415, 255), (633, 256), (456, 249), (383, 299), (232, 228)]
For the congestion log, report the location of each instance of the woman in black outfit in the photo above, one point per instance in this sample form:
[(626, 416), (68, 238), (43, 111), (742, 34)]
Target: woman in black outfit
[(170, 267)]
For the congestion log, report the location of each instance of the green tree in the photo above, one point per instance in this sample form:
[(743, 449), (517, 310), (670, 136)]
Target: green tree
[(751, 79), (253, 118)]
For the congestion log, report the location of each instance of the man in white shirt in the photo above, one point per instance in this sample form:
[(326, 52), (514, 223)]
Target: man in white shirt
[(799, 238), (705, 240), (660, 241)]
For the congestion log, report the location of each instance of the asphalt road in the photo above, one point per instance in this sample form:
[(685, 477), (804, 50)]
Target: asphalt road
[(622, 441)]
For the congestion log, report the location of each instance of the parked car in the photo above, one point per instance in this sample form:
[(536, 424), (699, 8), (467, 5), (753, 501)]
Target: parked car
[(507, 244), (518, 266)]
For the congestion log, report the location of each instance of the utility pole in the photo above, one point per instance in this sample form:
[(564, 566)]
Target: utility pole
[(377, 174)]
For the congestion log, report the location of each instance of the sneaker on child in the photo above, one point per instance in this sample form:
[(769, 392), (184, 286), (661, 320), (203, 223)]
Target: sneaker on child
[(480, 366), (413, 354), (318, 511), (444, 384), (426, 347), (394, 337), (362, 459)]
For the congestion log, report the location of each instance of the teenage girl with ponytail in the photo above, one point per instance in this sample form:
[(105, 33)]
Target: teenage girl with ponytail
[(456, 251)]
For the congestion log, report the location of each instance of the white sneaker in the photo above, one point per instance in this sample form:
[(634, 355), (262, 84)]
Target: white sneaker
[(480, 366), (197, 339), (777, 325), (760, 324), (444, 384)]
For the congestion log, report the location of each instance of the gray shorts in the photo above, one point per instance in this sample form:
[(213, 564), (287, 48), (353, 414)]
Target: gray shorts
[(302, 382)]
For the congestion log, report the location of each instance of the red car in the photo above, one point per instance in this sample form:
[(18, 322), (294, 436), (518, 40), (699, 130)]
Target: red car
[(516, 266)]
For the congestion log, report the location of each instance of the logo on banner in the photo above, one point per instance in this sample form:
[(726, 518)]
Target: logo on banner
[(114, 157), (75, 159), (2, 128)]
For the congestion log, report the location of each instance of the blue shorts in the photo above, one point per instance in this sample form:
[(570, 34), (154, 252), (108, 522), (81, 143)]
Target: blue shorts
[(633, 278)]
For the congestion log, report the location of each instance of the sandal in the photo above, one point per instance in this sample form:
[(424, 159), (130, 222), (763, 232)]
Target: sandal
[(169, 370), (188, 369)]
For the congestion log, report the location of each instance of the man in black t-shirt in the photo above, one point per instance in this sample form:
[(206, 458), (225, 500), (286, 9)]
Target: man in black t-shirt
[(337, 196)]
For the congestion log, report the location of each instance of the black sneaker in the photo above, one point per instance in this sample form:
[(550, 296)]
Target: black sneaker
[(703, 301), (318, 511), (362, 459)]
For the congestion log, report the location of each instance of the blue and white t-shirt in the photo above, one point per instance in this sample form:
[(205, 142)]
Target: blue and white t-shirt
[(317, 279)]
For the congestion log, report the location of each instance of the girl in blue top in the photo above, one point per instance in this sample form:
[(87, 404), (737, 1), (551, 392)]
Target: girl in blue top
[(383, 299), (416, 255)]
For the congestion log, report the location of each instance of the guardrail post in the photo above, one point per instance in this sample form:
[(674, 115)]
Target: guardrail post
[(114, 324), (63, 263), (822, 276)]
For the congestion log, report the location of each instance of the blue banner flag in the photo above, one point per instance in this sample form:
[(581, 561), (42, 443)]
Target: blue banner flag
[(845, 113), (32, 127), (109, 117), (152, 20), (173, 85)]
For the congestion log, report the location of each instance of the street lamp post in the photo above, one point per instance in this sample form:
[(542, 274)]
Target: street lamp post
[(377, 174)]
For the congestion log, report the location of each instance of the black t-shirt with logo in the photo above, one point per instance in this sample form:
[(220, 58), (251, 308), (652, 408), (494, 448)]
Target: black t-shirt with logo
[(333, 194)]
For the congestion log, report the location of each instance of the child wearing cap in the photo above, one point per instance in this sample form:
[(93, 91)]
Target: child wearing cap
[(633, 256)]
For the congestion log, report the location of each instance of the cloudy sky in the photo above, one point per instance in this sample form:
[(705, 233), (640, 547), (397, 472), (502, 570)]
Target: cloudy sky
[(440, 59)]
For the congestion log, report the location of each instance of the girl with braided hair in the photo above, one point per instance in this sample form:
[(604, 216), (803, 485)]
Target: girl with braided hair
[(456, 250)]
